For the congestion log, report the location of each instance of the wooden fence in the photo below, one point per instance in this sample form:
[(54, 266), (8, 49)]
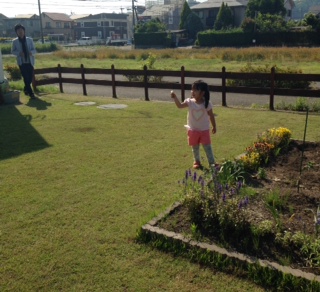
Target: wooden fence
[(110, 75)]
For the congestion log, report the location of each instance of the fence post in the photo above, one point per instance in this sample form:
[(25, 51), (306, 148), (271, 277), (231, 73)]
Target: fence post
[(182, 84), (145, 79), (83, 80), (34, 82), (223, 80), (113, 78), (271, 100), (60, 78)]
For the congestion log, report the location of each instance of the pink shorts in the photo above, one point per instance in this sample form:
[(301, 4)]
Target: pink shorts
[(199, 137)]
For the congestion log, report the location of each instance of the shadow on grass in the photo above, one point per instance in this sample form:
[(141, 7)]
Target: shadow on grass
[(17, 135)]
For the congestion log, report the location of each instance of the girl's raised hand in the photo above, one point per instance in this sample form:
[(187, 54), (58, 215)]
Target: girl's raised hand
[(173, 95)]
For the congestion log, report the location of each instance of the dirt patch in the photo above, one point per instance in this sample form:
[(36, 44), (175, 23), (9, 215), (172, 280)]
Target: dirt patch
[(295, 176)]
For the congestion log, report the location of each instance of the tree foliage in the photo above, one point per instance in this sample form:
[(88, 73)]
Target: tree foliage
[(154, 25), (265, 7), (194, 25), (225, 18), (186, 11), (312, 20), (270, 23)]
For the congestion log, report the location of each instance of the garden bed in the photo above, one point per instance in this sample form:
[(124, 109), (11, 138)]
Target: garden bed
[(293, 180)]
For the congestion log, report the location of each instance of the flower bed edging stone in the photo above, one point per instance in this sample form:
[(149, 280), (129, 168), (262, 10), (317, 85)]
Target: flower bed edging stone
[(249, 263)]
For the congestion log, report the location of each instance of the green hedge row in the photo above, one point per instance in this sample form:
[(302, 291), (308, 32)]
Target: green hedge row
[(161, 39), (41, 48), (243, 39)]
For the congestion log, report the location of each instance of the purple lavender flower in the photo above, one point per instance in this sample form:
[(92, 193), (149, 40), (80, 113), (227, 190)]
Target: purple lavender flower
[(224, 197), (240, 204), (194, 176)]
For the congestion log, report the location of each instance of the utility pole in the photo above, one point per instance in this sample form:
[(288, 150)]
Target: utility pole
[(41, 30), (133, 21)]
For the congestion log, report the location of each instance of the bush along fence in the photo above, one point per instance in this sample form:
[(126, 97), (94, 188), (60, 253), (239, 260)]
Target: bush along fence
[(154, 79)]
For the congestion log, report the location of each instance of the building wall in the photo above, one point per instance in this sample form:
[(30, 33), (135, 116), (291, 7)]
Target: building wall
[(32, 26), (103, 25), (57, 27)]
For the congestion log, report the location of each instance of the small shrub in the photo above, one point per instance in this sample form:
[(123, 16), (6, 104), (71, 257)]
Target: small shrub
[(14, 72), (249, 68)]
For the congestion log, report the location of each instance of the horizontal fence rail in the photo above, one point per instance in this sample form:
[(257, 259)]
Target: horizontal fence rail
[(108, 78)]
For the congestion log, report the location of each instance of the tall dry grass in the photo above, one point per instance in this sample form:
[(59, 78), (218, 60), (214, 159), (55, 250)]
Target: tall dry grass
[(251, 54)]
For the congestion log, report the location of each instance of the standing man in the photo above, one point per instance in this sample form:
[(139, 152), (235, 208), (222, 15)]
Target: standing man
[(23, 48)]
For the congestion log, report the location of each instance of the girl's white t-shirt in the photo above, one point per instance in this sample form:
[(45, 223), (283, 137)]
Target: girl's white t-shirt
[(198, 118)]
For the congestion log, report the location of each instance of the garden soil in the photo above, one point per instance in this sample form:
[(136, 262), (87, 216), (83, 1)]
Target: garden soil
[(295, 176)]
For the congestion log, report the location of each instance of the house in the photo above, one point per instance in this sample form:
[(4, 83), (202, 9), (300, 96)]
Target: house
[(167, 11), (3, 32), (57, 26), (169, 14), (289, 6), (208, 11), (101, 26), (31, 22), (315, 10)]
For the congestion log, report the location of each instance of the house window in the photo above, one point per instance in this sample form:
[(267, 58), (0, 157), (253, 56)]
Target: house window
[(99, 23), (289, 13), (66, 25), (58, 24), (31, 23), (83, 34), (170, 20), (82, 24), (99, 34), (200, 14), (111, 23), (48, 25)]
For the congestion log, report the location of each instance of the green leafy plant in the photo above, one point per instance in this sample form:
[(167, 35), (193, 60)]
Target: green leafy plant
[(14, 72), (268, 145)]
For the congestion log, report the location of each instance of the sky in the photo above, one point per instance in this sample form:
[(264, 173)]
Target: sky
[(11, 8)]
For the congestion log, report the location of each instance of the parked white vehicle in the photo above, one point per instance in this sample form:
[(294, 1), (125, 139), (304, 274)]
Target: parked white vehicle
[(85, 41), (115, 42)]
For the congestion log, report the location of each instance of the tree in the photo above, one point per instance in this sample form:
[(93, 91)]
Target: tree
[(225, 18), (265, 7), (270, 23), (154, 25), (312, 20), (194, 25), (186, 11)]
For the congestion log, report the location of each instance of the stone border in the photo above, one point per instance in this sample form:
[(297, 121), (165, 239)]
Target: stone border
[(112, 106), (85, 103), (153, 229)]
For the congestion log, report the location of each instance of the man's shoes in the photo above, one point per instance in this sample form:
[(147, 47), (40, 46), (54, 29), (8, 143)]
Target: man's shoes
[(197, 165), (26, 93), (32, 96)]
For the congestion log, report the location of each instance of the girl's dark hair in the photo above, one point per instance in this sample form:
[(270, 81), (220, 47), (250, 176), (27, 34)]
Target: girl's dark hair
[(203, 86), (17, 26)]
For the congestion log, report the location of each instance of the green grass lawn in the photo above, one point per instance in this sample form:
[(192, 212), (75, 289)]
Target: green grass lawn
[(77, 182)]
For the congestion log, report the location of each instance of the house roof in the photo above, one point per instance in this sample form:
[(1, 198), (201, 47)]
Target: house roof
[(314, 9), (27, 16), (121, 16), (2, 16), (58, 16), (158, 10), (217, 4), (76, 16)]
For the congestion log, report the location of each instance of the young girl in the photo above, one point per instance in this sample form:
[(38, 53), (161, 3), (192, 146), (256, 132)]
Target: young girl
[(200, 115)]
